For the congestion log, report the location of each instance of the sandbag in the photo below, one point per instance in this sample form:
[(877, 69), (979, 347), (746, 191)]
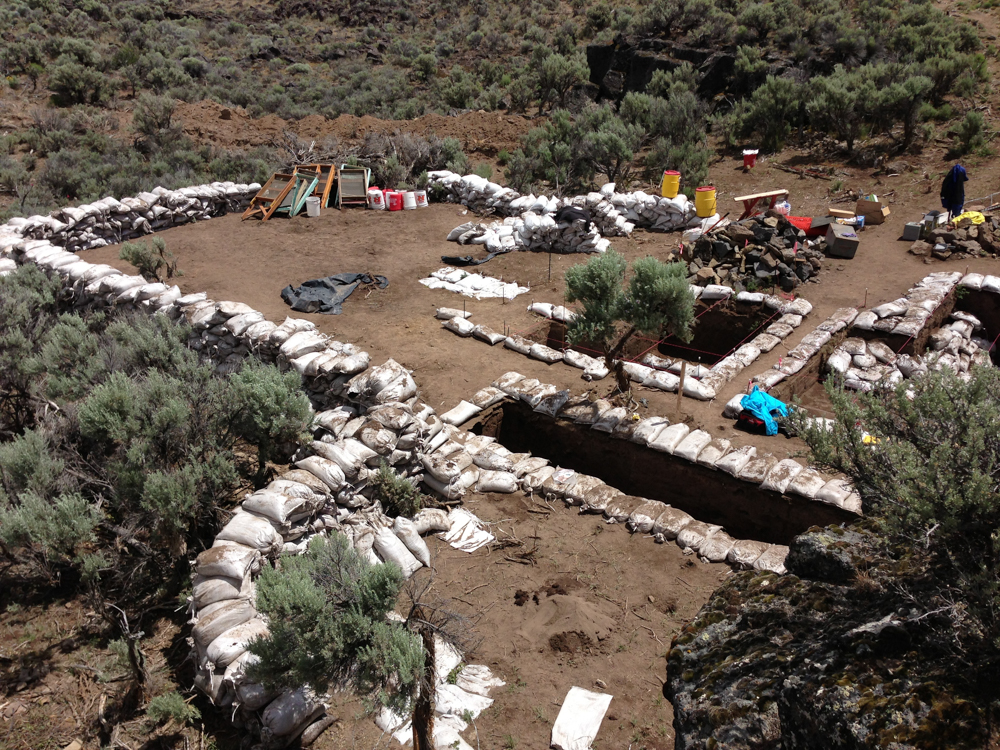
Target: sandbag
[(649, 429), (210, 627), (407, 532), (487, 397), (733, 463), (496, 481), (670, 437), (528, 465), (712, 453), (694, 534), (619, 509), (559, 483), (492, 460), (207, 590), (550, 405), (487, 334), (377, 438), (544, 353), (327, 471), (641, 519), (233, 643), (692, 445), (772, 559), (290, 713), (670, 523), (251, 531), (745, 552), (280, 509), (715, 548), (807, 483), (533, 481), (391, 549), (253, 697), (446, 469), (461, 413), (583, 484), (781, 475), (430, 520), (349, 463), (610, 419), (459, 325), (598, 498), (231, 560), (395, 417)]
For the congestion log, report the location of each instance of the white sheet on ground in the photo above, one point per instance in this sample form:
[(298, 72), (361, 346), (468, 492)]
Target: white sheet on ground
[(579, 719), (467, 532)]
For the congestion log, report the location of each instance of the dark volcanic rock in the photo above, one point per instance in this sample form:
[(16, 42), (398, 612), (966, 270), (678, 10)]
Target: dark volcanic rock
[(786, 662)]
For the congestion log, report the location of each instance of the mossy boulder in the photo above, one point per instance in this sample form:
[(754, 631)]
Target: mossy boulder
[(788, 662)]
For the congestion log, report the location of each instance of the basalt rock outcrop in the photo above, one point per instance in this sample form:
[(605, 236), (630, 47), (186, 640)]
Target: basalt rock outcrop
[(828, 656)]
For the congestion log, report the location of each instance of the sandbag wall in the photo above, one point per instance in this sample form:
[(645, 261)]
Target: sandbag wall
[(614, 214), (109, 221)]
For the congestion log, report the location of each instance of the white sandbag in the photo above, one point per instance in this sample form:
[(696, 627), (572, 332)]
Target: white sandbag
[(834, 492), (290, 713), (487, 334), (578, 491), (716, 547), (781, 475), (461, 413), (408, 534), (391, 549), (448, 313), (772, 559), (744, 553), (758, 468), (402, 388), (493, 460), (278, 508), (229, 615), (325, 470), (551, 404), (697, 389), (649, 429), (637, 372), (487, 397), (253, 697), (714, 452), (496, 481), (669, 437), (734, 462), (641, 519), (664, 381), (839, 361), (579, 719), (669, 523), (518, 344), (733, 406), (533, 481), (459, 325), (692, 445), (541, 308), (694, 534), (233, 643), (347, 461), (207, 590), (544, 353), (431, 520), (231, 560), (807, 484), (251, 531), (446, 469)]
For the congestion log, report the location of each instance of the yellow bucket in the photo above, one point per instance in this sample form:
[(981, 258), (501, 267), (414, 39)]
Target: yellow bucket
[(671, 183), (704, 201)]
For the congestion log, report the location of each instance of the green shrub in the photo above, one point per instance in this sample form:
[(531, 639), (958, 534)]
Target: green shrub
[(172, 706), (153, 263), (73, 83), (484, 170), (398, 496), (969, 134)]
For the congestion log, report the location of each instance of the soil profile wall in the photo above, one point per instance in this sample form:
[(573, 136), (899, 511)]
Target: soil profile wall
[(743, 508)]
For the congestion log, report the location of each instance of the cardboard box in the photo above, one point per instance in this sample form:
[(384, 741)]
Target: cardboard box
[(841, 241), (873, 211), (840, 213)]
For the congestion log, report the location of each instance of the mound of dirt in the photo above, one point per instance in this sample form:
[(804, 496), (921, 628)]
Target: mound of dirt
[(566, 623)]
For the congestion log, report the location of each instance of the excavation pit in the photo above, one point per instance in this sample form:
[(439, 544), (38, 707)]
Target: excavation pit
[(743, 508)]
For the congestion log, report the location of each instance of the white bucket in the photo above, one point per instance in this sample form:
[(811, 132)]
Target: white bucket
[(312, 206), (421, 198), (376, 199), (409, 200)]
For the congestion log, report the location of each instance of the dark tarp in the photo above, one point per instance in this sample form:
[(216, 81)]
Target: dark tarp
[(328, 294), (468, 260)]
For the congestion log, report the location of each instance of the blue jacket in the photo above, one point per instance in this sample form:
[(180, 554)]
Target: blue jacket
[(763, 406), (953, 189)]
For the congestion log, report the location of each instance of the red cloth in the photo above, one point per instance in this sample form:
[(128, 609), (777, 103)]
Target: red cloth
[(800, 222)]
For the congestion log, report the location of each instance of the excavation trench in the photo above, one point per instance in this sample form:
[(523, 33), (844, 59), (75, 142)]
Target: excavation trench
[(745, 510)]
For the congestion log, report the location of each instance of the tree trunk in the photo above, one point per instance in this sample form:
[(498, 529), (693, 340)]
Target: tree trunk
[(423, 710)]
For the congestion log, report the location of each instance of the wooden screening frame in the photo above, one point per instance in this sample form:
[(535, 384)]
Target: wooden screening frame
[(271, 195), (305, 183), (328, 177), (353, 186)]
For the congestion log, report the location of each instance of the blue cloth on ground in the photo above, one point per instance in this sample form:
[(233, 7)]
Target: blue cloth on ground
[(762, 405)]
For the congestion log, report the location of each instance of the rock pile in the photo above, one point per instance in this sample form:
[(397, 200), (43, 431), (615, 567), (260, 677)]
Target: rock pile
[(109, 221), (974, 241), (753, 253)]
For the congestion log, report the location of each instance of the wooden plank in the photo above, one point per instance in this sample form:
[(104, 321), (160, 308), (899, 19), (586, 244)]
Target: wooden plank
[(271, 194), (769, 194), (327, 178)]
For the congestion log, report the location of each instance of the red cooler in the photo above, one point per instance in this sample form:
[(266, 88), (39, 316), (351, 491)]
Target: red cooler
[(394, 200)]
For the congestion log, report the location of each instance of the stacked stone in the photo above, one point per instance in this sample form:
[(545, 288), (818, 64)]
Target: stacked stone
[(109, 221), (755, 252), (972, 241), (614, 214)]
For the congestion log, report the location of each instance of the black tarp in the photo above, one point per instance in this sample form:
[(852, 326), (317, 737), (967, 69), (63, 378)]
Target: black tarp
[(326, 295)]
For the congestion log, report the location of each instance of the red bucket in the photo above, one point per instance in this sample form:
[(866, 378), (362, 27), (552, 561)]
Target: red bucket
[(394, 200), (749, 158)]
